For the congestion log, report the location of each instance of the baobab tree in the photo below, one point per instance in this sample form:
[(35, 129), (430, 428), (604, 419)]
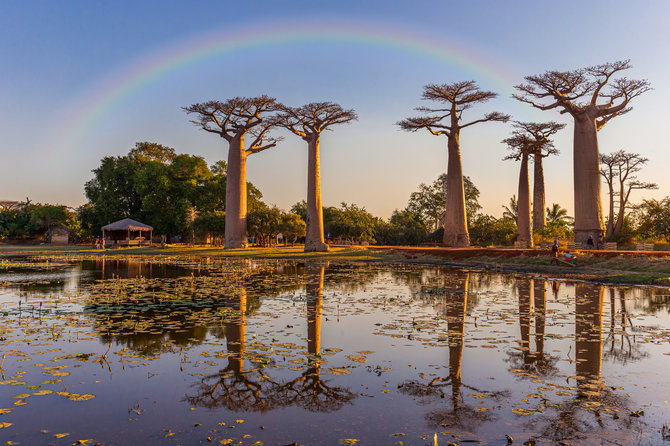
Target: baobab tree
[(620, 168), (540, 132), (531, 139), (592, 96), (234, 120), (522, 147), (308, 122), (446, 121)]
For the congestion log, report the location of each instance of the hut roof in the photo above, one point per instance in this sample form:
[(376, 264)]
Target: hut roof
[(127, 224)]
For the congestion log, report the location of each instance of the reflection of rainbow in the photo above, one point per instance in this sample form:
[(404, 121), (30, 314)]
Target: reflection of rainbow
[(125, 82)]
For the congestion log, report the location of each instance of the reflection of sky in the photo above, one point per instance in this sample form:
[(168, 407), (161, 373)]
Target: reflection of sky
[(349, 319)]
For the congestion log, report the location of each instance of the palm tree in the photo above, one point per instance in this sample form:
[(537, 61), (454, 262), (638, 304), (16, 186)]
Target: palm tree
[(511, 211), (558, 215)]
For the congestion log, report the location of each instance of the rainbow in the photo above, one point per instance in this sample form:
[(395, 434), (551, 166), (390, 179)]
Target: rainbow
[(122, 84)]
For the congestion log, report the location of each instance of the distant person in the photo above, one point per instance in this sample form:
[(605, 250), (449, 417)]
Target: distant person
[(554, 253), (589, 242)]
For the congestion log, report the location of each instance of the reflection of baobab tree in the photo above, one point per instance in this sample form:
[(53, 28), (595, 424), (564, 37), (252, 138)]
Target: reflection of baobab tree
[(618, 345), (247, 386), (595, 403), (309, 390), (532, 293), (235, 387), (460, 413)]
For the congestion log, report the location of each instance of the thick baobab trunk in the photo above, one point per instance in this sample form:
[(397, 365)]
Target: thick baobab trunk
[(236, 195), (456, 312), (314, 289), (589, 300), (539, 214), (314, 238), (586, 167), (455, 219), (236, 335), (524, 234)]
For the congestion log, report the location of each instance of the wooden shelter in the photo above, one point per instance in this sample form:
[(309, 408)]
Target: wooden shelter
[(127, 232)]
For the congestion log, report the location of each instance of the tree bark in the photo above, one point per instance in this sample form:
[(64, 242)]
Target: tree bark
[(540, 299), (236, 195), (610, 220), (455, 221), (623, 200), (589, 300), (524, 287), (586, 168), (314, 275), (314, 231), (456, 312), (524, 234), (539, 214)]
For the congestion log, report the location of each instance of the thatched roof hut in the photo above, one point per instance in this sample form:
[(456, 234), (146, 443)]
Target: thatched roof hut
[(128, 232)]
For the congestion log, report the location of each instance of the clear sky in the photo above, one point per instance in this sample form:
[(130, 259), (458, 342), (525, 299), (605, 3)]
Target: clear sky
[(80, 80)]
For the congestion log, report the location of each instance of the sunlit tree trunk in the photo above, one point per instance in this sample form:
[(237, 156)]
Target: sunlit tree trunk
[(455, 222), (314, 289), (539, 213), (610, 220), (540, 299), (586, 167), (524, 287), (589, 301), (456, 310), (524, 234), (314, 233), (236, 335), (236, 195)]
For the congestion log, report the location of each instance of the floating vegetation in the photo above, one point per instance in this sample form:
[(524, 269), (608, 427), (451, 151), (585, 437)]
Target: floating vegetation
[(238, 351)]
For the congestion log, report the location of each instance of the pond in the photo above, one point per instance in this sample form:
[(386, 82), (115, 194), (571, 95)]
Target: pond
[(250, 352)]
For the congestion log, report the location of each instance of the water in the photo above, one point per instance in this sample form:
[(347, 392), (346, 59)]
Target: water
[(190, 351)]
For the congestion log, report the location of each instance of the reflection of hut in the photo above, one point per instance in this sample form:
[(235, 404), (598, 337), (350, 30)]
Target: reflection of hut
[(127, 232), (58, 235)]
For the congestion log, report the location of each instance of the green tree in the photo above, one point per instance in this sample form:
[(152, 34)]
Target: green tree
[(155, 185), (486, 230), (429, 202), (352, 222), (45, 216), (292, 226), (404, 228), (265, 223), (653, 218), (211, 225)]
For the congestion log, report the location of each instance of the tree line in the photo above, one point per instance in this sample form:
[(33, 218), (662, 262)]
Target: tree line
[(176, 192)]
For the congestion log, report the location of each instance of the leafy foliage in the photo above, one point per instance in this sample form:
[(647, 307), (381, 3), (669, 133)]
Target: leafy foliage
[(157, 186)]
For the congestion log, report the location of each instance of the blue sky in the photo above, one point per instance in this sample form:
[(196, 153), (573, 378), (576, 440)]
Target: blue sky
[(57, 57)]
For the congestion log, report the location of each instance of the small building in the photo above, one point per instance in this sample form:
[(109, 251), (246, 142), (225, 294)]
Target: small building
[(58, 235), (127, 232)]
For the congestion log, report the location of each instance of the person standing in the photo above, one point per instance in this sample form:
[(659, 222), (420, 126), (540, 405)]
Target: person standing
[(589, 242)]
